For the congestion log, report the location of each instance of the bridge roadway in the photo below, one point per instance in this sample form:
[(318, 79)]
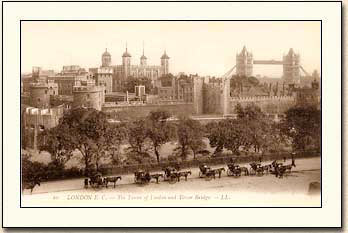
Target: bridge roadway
[(267, 62)]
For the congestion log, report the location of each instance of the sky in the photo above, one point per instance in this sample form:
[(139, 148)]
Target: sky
[(206, 48)]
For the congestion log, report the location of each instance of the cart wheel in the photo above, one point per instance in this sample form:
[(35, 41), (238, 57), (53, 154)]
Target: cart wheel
[(172, 179), (208, 177)]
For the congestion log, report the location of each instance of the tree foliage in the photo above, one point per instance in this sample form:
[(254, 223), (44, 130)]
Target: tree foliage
[(139, 144), (56, 141), (251, 130), (302, 124), (159, 130), (190, 137)]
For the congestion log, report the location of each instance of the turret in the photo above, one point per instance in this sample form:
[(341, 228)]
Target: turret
[(106, 59), (126, 62), (143, 58), (165, 63)]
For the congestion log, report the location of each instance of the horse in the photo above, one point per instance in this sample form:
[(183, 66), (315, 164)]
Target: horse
[(111, 179), (30, 185), (245, 170), (218, 171), (184, 174), (156, 177)]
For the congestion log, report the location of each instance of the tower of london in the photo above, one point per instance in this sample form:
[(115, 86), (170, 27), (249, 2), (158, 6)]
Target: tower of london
[(114, 76)]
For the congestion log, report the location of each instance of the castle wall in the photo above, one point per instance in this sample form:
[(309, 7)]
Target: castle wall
[(271, 105), (144, 110), (212, 99)]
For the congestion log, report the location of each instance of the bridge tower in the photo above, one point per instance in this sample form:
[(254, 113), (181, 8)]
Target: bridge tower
[(291, 68), (244, 63)]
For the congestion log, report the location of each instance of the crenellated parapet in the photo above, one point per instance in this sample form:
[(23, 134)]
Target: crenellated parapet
[(262, 98), (36, 120), (268, 104)]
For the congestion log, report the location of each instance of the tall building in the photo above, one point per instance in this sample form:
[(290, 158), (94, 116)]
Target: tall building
[(291, 68), (244, 63), (114, 76)]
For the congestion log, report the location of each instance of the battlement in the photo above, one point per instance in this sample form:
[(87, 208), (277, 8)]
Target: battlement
[(261, 98), (56, 111)]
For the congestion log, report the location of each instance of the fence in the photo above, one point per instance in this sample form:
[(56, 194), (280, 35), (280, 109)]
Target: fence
[(217, 160)]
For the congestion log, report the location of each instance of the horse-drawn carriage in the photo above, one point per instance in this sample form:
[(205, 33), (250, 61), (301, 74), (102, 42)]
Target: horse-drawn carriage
[(279, 169), (256, 169), (170, 174), (95, 180), (173, 175), (142, 177), (236, 170), (208, 173)]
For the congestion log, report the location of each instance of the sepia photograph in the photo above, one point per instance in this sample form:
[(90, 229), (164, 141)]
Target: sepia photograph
[(171, 113)]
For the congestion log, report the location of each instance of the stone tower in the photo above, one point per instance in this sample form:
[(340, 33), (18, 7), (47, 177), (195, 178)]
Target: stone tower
[(291, 68), (165, 63), (88, 97), (39, 95), (244, 63), (126, 63), (106, 59)]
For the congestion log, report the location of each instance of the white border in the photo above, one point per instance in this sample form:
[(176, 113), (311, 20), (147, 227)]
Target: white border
[(328, 216)]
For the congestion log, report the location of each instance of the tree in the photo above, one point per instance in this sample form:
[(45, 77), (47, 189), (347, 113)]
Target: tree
[(31, 171), (87, 129), (235, 135), (138, 141), (116, 135), (159, 130), (216, 135), (190, 136), (56, 141), (255, 126), (302, 124)]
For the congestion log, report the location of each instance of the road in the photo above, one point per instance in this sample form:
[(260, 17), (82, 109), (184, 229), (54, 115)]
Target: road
[(294, 184)]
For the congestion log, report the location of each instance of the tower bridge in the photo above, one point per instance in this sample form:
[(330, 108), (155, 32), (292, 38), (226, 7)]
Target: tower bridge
[(267, 62), (291, 66)]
